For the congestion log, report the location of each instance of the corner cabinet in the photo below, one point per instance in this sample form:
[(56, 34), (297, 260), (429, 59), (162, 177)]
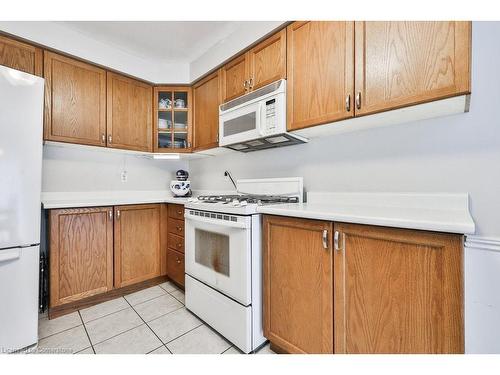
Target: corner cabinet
[(172, 119), (129, 113), (21, 56), (206, 101), (75, 101), (320, 71), (407, 63), (298, 284), (81, 253), (398, 291)]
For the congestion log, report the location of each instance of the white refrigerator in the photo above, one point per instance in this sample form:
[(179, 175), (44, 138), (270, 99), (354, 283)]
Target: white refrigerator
[(21, 128)]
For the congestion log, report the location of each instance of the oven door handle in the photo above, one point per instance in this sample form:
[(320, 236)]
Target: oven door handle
[(226, 223)]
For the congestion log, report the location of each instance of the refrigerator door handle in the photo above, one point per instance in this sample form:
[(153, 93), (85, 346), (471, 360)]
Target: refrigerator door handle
[(11, 254)]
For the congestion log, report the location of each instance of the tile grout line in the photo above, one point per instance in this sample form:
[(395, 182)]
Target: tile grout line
[(91, 320), (185, 333), (151, 329), (56, 333), (85, 328), (155, 349)]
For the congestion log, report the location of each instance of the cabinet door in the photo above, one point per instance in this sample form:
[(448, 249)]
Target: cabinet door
[(267, 61), (234, 78), (81, 253), (298, 284), (137, 243), (206, 112), (320, 71), (129, 109), (398, 291), (20, 56), (405, 63), (75, 101)]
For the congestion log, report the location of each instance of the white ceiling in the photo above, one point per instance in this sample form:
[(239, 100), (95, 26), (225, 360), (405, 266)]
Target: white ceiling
[(165, 41)]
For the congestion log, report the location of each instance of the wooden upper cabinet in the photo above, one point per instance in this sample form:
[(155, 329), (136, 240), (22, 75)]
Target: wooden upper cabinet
[(320, 73), (21, 56), (267, 61), (206, 95), (234, 78), (129, 113), (138, 251), (398, 291), (298, 284), (75, 101), (405, 63), (81, 253)]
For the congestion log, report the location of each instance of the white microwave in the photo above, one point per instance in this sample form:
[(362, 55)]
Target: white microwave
[(257, 120)]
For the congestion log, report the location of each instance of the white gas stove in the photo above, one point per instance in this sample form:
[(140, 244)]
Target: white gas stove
[(223, 257)]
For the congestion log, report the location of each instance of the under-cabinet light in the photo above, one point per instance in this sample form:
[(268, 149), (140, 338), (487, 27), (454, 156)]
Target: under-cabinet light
[(166, 156)]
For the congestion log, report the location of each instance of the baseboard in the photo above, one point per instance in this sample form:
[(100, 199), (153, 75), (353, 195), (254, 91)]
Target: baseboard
[(67, 308)]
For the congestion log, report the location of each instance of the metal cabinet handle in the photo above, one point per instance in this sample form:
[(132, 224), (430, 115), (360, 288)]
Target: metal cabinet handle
[(358, 100), (325, 238), (348, 103), (103, 138), (110, 213), (117, 214), (245, 84), (179, 245), (179, 228), (179, 212), (178, 261), (250, 83), (110, 138), (336, 240)]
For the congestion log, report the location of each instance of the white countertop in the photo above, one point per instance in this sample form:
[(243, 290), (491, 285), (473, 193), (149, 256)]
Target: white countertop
[(433, 212), (106, 198)]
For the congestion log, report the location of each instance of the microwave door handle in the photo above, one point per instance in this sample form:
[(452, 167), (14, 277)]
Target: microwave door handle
[(225, 223), (261, 111)]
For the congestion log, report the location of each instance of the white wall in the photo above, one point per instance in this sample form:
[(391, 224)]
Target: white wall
[(63, 38), (81, 170), (459, 153), (240, 39)]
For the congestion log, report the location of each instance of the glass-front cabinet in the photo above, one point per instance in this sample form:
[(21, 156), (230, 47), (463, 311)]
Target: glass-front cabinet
[(172, 111)]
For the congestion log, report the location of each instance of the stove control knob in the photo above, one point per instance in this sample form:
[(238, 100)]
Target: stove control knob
[(243, 203), (235, 202)]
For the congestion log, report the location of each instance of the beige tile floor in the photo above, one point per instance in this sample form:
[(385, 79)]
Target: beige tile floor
[(152, 321)]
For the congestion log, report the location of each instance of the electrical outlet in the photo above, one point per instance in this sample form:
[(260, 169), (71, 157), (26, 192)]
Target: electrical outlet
[(124, 176)]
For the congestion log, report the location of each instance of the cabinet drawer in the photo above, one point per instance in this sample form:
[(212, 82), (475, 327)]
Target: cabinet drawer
[(175, 266), (176, 211), (175, 242), (176, 227)]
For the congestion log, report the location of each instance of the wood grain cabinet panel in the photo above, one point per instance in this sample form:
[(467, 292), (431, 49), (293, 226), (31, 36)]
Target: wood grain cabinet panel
[(206, 95), (298, 284), (267, 61), (398, 291), (137, 243), (176, 211), (176, 242), (320, 72), (234, 76), (175, 266), (75, 101), (81, 253), (21, 56), (405, 63), (129, 113)]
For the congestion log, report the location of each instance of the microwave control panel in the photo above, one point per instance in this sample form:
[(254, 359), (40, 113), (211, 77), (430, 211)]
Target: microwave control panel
[(270, 115)]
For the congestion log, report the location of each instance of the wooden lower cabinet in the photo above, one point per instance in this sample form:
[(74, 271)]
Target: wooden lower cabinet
[(175, 244), (391, 290), (137, 243), (298, 284), (81, 253), (398, 291)]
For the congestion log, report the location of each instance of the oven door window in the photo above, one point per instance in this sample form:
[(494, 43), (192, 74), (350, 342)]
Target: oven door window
[(240, 124), (212, 251)]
